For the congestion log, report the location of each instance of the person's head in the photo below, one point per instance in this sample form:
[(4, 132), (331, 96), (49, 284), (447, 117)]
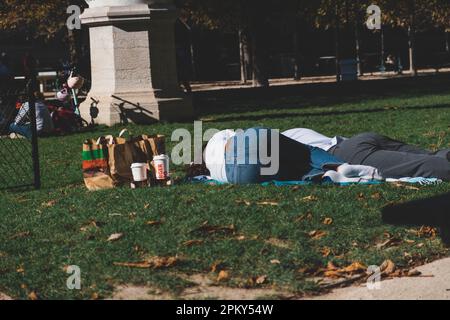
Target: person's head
[(39, 96), (194, 170)]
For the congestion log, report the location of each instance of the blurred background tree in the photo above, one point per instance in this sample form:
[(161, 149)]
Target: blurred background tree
[(299, 30), (42, 20)]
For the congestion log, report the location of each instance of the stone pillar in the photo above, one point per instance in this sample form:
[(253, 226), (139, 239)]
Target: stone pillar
[(134, 76)]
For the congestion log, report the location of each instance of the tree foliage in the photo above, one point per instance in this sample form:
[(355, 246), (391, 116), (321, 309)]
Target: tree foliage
[(35, 18)]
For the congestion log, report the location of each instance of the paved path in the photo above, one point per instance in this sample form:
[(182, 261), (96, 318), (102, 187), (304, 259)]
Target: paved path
[(434, 284), (220, 85)]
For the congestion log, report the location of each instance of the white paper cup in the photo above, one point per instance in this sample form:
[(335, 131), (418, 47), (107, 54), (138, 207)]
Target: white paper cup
[(139, 171), (161, 165)]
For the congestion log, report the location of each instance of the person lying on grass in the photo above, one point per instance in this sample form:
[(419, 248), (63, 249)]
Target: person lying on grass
[(307, 155), (258, 155), (393, 159)]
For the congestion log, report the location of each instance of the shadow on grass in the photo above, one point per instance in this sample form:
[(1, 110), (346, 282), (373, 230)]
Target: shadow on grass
[(432, 211), (318, 114), (315, 95)]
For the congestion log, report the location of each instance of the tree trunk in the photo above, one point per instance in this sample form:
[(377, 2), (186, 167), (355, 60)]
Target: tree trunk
[(358, 39), (259, 61), (75, 49), (337, 40), (447, 41), (258, 36), (297, 74), (358, 50), (412, 51), (192, 51), (244, 53), (412, 39)]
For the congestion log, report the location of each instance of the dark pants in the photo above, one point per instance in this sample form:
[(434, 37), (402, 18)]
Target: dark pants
[(394, 159)]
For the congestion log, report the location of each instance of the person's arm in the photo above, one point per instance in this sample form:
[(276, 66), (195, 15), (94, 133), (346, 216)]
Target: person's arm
[(22, 116)]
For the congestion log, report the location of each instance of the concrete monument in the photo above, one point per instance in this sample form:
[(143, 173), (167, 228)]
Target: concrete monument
[(134, 76)]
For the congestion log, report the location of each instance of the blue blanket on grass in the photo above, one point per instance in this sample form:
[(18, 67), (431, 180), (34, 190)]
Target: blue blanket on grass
[(327, 181)]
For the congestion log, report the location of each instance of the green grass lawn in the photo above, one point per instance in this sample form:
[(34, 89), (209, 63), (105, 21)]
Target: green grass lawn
[(43, 231)]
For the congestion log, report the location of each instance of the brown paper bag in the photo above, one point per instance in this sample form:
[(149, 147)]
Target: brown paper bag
[(123, 153), (95, 166)]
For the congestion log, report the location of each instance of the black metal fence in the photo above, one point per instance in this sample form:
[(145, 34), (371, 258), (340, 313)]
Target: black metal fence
[(19, 156)]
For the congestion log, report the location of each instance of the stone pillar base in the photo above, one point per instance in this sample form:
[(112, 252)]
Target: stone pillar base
[(133, 66)]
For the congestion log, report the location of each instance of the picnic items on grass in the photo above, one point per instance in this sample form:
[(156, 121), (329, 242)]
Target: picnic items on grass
[(95, 166), (123, 155), (124, 152)]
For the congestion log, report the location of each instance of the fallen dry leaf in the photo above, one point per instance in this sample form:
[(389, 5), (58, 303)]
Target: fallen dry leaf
[(355, 268), (245, 202), (325, 252), (404, 186), (191, 243), (142, 264), (333, 274), (308, 271), (48, 204), (331, 266), (317, 234), (427, 232), (376, 196), (151, 262), (20, 235), (205, 228), (261, 279), (309, 198), (387, 267), (33, 296), (115, 237), (132, 215), (20, 269), (223, 276), (328, 221), (240, 238), (267, 203), (95, 296), (414, 273), (217, 266), (275, 261), (307, 216), (389, 243), (153, 223), (92, 224), (280, 243)]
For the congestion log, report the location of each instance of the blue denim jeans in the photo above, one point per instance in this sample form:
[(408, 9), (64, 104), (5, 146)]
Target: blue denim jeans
[(24, 130), (297, 161)]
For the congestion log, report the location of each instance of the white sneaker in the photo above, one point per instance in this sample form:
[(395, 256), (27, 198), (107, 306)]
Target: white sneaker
[(16, 136)]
